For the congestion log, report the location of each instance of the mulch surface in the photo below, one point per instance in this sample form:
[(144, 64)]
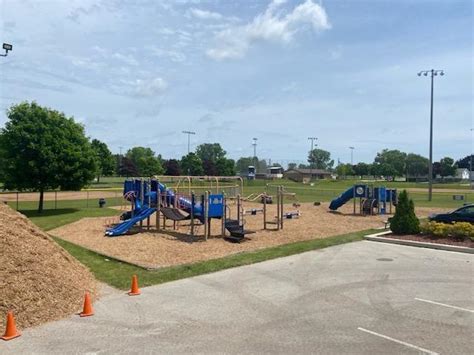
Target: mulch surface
[(432, 239), (154, 249), (39, 280)]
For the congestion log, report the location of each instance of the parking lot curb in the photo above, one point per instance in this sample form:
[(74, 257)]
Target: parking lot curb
[(377, 237)]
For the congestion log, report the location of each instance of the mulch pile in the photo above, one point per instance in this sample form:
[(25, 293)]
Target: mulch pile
[(432, 239), (39, 281)]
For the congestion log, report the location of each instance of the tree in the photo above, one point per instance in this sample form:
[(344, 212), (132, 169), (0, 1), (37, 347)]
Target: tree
[(211, 152), (243, 163), (209, 167), (320, 159), (344, 170), (465, 163), (361, 169), (42, 149), (405, 221), (225, 167), (447, 167), (145, 161), (105, 159), (292, 166), (394, 158), (383, 169), (191, 164), (416, 165), (128, 168), (172, 168)]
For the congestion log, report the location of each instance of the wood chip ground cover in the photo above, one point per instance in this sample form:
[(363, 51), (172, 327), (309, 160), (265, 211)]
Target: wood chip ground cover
[(165, 248), (39, 281)]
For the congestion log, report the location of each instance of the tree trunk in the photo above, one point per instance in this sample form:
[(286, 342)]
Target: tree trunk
[(98, 178), (40, 206)]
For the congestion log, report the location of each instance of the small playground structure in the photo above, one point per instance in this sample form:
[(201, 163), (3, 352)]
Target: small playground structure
[(150, 196), (371, 200)]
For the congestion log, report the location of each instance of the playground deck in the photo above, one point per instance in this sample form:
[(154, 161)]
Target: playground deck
[(158, 249)]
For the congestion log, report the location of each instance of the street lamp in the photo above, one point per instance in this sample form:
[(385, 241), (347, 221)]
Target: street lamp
[(352, 155), (312, 139), (189, 133), (432, 73), (470, 162), (7, 47)]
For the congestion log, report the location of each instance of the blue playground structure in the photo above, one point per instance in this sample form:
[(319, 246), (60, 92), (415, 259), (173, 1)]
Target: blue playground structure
[(150, 196), (372, 200)]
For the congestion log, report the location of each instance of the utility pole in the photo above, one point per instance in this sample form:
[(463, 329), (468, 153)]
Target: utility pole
[(433, 73), (189, 133), (312, 139), (120, 160), (255, 153), (352, 155), (470, 163)]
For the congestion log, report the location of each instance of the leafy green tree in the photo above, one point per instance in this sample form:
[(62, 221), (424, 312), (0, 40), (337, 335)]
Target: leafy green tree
[(241, 166), (383, 169), (361, 169), (344, 170), (42, 149), (172, 167), (225, 167), (210, 151), (191, 164), (292, 166), (448, 168), (105, 159), (416, 165), (395, 158), (145, 161), (405, 221), (320, 159), (465, 163), (209, 168)]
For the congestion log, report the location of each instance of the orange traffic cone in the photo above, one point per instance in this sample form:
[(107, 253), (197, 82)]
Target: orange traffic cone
[(134, 291), (87, 309), (11, 331)]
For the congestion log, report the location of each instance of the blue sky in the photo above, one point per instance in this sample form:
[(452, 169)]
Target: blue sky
[(141, 72)]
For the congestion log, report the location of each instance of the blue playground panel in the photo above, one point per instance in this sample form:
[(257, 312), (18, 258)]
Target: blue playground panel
[(216, 206)]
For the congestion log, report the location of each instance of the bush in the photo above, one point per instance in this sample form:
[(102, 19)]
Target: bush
[(459, 230), (405, 221)]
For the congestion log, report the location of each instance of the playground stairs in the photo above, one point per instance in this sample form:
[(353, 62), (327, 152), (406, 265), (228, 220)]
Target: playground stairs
[(237, 232)]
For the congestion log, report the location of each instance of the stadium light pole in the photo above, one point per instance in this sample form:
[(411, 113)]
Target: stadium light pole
[(352, 155), (432, 73), (189, 133), (7, 47), (312, 139), (255, 153), (470, 162)]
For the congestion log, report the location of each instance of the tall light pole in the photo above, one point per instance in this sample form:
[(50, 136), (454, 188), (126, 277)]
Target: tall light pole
[(432, 73), (189, 133), (255, 153), (352, 155), (470, 162), (312, 139), (120, 160), (7, 47)]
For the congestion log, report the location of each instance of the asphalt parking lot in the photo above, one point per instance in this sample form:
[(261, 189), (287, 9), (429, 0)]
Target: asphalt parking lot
[(358, 298)]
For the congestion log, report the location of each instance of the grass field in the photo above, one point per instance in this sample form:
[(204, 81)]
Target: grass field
[(118, 274)]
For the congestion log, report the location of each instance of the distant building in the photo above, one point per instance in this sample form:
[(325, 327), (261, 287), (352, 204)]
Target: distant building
[(275, 172), (305, 175), (462, 174)]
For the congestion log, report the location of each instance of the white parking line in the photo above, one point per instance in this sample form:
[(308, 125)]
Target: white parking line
[(445, 305), (426, 351)]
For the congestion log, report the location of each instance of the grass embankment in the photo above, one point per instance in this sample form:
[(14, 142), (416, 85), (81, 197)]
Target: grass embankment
[(118, 274)]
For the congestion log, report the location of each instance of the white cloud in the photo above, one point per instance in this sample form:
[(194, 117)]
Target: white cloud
[(204, 14), (272, 25), (148, 88)]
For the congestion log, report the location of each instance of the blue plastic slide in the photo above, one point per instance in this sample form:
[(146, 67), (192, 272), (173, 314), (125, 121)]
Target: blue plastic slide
[(123, 227), (341, 199), (182, 201)]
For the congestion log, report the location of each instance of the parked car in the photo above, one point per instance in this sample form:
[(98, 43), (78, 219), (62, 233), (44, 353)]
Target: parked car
[(463, 214)]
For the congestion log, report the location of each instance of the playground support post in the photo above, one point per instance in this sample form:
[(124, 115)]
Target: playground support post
[(265, 210), (278, 207), (281, 207), (142, 198), (193, 201), (158, 205), (205, 207), (238, 209), (224, 212)]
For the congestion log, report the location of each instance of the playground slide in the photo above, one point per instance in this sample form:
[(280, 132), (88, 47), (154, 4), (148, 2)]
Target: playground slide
[(341, 199), (181, 200), (123, 227)]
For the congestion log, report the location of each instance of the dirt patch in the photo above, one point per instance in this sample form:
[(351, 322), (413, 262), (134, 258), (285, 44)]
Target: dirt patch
[(156, 249), (435, 240), (39, 281)]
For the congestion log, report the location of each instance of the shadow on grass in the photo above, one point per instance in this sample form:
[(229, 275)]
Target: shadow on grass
[(49, 213)]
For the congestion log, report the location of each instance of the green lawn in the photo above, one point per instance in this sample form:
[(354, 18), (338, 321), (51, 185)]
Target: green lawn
[(118, 274), (51, 219), (66, 204)]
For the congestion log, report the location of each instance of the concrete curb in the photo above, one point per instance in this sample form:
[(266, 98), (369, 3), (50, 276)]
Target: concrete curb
[(377, 237)]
